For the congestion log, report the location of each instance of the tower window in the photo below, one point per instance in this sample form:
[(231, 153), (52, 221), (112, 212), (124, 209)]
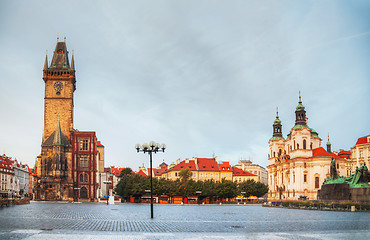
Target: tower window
[(83, 162), (86, 178), (304, 143), (84, 144), (81, 178), (305, 178)]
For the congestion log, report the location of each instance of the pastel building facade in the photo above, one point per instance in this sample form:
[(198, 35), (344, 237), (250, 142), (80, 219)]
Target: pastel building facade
[(360, 153)]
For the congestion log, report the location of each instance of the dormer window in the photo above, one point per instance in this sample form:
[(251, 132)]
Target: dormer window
[(60, 51)]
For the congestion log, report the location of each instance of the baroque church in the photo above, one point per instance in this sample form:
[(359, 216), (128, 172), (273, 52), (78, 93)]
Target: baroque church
[(70, 160), (298, 165)]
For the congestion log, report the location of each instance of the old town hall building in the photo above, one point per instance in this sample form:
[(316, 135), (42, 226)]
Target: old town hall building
[(70, 160), (298, 165)]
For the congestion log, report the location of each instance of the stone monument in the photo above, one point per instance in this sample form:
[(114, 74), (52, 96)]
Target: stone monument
[(353, 188)]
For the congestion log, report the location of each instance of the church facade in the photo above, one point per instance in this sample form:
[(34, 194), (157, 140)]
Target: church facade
[(298, 165), (70, 160)]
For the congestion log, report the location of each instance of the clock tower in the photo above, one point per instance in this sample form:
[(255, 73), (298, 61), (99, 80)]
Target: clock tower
[(60, 84)]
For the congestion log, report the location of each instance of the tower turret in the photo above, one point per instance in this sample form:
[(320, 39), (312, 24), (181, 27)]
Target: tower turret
[(328, 145), (300, 113), (277, 127)]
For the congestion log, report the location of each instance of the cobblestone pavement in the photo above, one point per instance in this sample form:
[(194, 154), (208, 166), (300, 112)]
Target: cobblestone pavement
[(47, 220)]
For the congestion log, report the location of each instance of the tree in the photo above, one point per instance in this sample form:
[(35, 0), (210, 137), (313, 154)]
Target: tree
[(226, 189), (252, 188), (125, 171), (185, 175)]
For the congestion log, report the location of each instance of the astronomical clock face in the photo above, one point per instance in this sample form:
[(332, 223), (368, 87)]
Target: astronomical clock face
[(58, 86)]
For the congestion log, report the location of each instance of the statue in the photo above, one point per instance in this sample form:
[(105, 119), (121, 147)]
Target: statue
[(333, 169)]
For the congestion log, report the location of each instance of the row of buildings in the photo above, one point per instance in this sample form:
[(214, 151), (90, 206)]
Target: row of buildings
[(298, 164), (15, 178), (70, 166), (203, 169)]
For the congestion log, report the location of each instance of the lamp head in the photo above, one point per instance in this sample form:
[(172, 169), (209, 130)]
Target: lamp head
[(163, 146), (137, 146)]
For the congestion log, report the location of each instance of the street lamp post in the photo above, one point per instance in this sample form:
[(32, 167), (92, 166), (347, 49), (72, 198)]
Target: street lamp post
[(107, 186), (151, 148)]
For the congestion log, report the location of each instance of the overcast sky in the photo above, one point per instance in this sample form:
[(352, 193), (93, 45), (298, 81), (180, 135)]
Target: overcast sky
[(203, 77)]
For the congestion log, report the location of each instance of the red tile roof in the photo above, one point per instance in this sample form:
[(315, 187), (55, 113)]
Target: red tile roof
[(99, 144), (158, 171), (207, 164), (5, 162), (142, 173), (321, 152), (184, 165), (116, 171), (240, 172), (362, 140), (225, 166), (344, 154)]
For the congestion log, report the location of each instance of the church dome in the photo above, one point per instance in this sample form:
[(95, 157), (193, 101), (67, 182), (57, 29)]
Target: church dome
[(300, 107), (277, 121)]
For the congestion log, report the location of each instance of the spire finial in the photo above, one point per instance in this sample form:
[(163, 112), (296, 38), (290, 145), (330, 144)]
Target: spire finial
[(277, 111), (300, 100), (328, 137), (65, 37), (46, 61), (72, 61), (58, 37)]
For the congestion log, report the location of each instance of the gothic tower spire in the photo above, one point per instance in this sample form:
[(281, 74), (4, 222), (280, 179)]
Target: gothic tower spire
[(72, 63), (58, 135), (46, 63)]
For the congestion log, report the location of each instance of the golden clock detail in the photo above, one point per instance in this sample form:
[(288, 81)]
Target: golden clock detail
[(58, 86)]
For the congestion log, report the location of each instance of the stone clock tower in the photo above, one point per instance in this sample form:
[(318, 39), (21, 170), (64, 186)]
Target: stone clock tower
[(60, 84)]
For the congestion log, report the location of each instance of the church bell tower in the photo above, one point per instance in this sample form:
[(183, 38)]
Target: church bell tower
[(60, 84)]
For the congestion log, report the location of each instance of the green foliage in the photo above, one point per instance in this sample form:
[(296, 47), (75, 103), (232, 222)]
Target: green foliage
[(133, 184), (185, 175), (226, 189), (252, 188), (125, 171)]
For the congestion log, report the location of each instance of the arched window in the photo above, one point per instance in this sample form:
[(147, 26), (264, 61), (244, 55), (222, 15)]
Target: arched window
[(274, 154), (317, 182), (279, 152), (304, 143), (86, 178), (81, 178), (297, 146)]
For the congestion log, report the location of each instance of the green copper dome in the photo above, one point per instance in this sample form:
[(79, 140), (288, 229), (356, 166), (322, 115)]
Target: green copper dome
[(300, 107), (277, 121)]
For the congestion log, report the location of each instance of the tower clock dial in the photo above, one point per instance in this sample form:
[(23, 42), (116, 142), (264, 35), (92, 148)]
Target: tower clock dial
[(58, 86)]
